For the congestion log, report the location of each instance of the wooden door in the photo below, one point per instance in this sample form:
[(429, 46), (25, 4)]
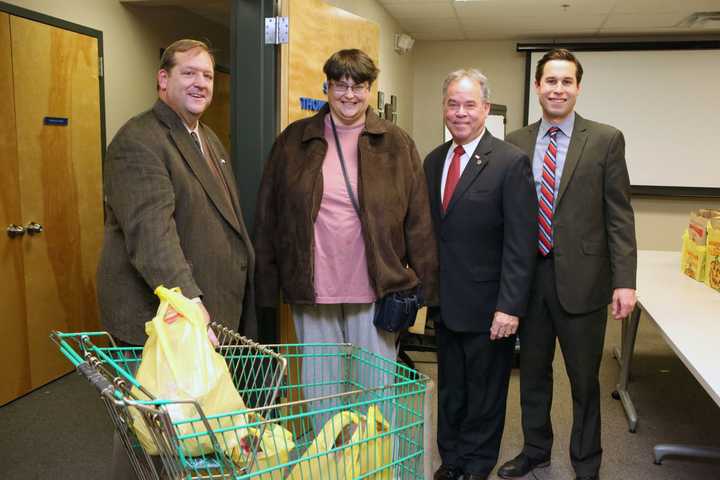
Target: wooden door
[(14, 357), (317, 30), (55, 74)]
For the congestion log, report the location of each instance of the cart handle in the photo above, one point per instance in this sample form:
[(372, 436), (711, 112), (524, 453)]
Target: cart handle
[(103, 385)]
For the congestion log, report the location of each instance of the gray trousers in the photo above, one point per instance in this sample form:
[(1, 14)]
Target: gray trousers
[(343, 323), (338, 323)]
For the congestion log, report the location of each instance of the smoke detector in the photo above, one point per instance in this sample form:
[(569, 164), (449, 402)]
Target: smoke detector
[(403, 43)]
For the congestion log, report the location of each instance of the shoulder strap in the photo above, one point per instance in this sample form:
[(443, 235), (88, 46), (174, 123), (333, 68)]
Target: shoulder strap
[(344, 170)]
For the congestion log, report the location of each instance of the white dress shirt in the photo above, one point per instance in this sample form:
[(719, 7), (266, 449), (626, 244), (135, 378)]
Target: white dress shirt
[(196, 130), (469, 150)]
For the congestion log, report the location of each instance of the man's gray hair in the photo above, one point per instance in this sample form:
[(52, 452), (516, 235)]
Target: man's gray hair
[(473, 74)]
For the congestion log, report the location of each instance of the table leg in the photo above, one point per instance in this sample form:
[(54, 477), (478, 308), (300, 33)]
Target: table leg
[(693, 451), (629, 330), (617, 352)]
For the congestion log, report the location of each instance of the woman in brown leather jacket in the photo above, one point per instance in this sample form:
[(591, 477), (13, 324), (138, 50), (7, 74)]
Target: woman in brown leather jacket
[(330, 258)]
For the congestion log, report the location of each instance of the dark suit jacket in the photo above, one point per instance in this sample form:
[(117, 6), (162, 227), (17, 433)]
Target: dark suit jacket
[(169, 222), (487, 239), (593, 223)]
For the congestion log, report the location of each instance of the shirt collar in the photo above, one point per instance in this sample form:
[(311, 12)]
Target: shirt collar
[(196, 129), (472, 146), (566, 126)]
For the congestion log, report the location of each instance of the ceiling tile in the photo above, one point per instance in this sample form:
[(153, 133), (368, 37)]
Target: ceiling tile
[(534, 7), (438, 36), (430, 10), (642, 21), (430, 24), (488, 35), (655, 31), (385, 3), (666, 6), (539, 22)]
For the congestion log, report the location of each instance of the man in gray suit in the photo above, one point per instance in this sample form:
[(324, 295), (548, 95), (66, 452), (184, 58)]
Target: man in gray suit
[(586, 260), (172, 211)]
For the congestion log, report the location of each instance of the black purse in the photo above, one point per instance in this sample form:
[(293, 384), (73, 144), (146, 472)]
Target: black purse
[(395, 311)]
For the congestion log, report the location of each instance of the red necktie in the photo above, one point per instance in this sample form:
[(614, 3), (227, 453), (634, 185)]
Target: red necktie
[(453, 176), (547, 195)]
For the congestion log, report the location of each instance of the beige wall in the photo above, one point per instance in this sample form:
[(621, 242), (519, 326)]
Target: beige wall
[(132, 38), (134, 35), (396, 71), (660, 221)]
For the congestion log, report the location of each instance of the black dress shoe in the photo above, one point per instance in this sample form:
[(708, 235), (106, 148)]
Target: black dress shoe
[(447, 472), (588, 477), (474, 476), (521, 466)]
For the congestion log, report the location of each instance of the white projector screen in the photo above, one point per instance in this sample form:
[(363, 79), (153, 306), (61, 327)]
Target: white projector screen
[(667, 104)]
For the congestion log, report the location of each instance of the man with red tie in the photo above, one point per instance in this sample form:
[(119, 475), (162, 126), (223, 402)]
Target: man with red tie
[(484, 211), (586, 260)]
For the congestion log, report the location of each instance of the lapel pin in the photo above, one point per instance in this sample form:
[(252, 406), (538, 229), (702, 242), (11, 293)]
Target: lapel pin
[(478, 160), (222, 161)]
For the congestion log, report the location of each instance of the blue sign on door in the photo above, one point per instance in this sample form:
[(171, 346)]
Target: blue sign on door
[(56, 121)]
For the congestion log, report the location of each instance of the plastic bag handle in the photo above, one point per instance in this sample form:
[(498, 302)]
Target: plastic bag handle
[(375, 419), (186, 308)]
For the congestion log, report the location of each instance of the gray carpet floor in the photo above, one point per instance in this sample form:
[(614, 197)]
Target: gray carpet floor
[(61, 431)]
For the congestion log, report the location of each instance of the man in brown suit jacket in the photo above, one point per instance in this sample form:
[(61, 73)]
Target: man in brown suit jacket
[(586, 260), (172, 211), (172, 215)]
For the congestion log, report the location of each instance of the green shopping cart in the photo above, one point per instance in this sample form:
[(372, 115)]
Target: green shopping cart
[(356, 415)]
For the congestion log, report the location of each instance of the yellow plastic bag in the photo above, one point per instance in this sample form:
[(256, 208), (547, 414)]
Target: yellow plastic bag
[(273, 449), (376, 452), (712, 260), (692, 260), (180, 363), (332, 455), (350, 445)]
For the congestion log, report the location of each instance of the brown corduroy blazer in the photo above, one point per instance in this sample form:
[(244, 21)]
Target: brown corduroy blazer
[(169, 221)]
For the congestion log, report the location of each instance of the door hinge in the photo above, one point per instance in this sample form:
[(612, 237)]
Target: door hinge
[(101, 66), (276, 30)]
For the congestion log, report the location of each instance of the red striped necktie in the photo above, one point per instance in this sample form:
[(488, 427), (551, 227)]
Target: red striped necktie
[(547, 195)]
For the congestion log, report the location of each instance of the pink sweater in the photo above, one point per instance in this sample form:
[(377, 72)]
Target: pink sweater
[(341, 274)]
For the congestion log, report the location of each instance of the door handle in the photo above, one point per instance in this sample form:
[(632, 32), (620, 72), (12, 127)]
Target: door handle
[(34, 228), (15, 230)]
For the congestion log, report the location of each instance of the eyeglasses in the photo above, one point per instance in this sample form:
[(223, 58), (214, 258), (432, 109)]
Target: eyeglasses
[(341, 88)]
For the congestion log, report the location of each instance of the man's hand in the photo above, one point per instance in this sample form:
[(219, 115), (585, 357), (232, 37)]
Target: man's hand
[(171, 315), (503, 325), (623, 302), (211, 334)]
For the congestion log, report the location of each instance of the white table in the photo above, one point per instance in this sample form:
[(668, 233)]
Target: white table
[(687, 313)]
